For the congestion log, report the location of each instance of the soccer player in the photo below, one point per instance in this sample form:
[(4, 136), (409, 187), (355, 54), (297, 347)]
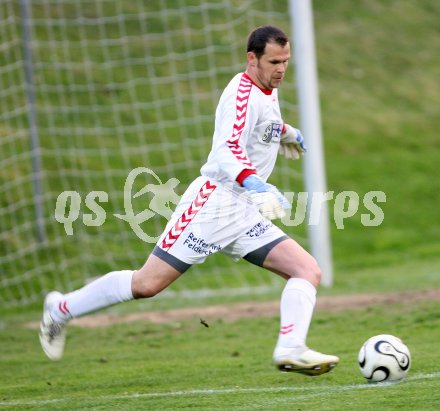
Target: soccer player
[(226, 209)]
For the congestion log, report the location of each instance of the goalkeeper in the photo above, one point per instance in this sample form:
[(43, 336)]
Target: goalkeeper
[(228, 209)]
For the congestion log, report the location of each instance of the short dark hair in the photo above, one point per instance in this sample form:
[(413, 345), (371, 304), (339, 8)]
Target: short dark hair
[(262, 35)]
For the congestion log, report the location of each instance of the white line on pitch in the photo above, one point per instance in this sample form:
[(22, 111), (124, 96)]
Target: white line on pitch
[(322, 390)]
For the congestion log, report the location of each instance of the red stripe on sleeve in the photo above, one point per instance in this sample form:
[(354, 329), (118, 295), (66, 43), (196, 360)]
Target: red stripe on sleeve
[(243, 92)]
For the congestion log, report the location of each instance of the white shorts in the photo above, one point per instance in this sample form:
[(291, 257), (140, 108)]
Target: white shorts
[(213, 217)]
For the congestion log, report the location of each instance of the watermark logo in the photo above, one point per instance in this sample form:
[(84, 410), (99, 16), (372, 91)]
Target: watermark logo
[(68, 204), (68, 207), (346, 205), (308, 208), (163, 195)]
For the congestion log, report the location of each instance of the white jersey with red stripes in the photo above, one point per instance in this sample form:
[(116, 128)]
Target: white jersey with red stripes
[(215, 214), (247, 131)]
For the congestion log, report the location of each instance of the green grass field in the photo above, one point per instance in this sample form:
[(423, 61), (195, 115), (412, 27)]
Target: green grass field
[(180, 365), (379, 68)]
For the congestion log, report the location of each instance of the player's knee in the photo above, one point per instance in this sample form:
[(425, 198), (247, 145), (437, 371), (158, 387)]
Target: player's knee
[(309, 270), (142, 288), (314, 273), (317, 274), (144, 291)]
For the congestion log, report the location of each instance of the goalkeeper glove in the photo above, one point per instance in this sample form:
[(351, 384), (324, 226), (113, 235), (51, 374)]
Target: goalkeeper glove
[(292, 143), (271, 203)]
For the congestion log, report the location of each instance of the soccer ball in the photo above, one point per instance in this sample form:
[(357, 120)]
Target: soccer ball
[(384, 358)]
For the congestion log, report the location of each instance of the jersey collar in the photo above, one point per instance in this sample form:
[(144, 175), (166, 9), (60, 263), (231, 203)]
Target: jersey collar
[(266, 91)]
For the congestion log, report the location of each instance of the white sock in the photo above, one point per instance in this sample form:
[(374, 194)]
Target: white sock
[(296, 309), (112, 288)]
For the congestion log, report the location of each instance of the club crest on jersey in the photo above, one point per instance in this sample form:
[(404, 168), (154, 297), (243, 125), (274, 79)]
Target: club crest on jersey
[(272, 132)]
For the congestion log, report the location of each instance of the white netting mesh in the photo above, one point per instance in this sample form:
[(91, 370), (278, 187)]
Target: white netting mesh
[(117, 85)]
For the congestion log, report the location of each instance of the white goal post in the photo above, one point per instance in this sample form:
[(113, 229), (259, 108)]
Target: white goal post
[(93, 90), (310, 123)]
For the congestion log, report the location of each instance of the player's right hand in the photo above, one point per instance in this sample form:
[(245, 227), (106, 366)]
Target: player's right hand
[(271, 203), (292, 144)]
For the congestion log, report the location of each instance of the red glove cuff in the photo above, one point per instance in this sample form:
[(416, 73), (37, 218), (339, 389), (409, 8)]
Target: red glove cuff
[(245, 173)]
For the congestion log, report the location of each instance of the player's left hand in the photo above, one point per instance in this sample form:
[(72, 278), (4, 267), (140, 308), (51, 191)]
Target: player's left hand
[(292, 143), (269, 200)]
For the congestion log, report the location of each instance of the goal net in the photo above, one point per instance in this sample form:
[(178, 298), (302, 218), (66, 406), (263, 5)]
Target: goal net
[(103, 101)]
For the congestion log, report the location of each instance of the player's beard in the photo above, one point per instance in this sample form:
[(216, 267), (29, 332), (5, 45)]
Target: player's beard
[(277, 84), (270, 83)]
